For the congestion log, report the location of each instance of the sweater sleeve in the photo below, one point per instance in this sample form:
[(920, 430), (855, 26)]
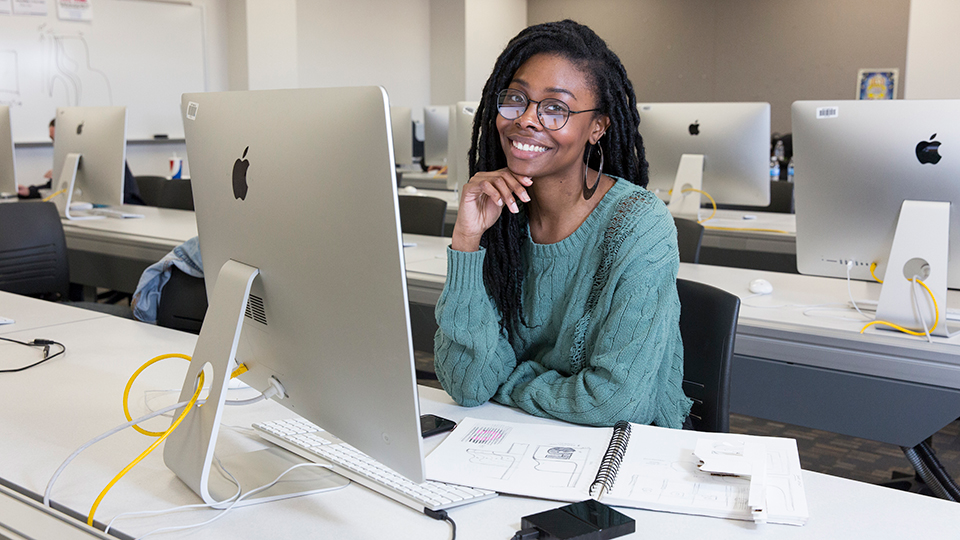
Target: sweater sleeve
[(633, 366), (472, 356)]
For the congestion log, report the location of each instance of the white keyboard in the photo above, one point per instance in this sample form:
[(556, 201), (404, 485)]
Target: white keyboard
[(112, 213), (311, 442)]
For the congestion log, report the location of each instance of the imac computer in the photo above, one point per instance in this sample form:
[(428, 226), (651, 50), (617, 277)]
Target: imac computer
[(458, 143), (89, 157), (305, 275), (722, 149), (8, 166), (436, 125), (878, 182), (402, 122)]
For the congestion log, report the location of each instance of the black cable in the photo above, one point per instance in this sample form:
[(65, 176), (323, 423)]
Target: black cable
[(939, 472), (441, 515), (527, 534), (45, 343)]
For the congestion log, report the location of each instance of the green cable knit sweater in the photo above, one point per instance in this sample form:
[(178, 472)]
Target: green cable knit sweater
[(602, 340)]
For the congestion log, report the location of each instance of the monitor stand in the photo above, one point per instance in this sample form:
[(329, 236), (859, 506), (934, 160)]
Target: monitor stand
[(189, 450), (685, 196), (920, 247), (67, 185)]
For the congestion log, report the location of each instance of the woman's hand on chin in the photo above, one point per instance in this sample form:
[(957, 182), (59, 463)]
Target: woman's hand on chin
[(482, 200)]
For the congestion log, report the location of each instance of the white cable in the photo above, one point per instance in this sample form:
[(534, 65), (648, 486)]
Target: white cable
[(916, 304), (179, 508), (850, 294), (98, 438), (237, 501)]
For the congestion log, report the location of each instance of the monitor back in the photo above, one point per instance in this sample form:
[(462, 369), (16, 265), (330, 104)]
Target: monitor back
[(436, 124), (8, 165), (99, 135), (855, 163), (301, 184), (734, 139)]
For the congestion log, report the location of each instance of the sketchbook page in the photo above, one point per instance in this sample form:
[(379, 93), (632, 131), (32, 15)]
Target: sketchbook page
[(545, 461), (661, 472)]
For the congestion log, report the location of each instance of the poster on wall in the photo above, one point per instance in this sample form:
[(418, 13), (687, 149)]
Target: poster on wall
[(75, 10), (30, 7), (877, 83)]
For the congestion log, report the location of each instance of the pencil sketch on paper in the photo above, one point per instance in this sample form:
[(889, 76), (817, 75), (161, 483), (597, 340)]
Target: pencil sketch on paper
[(68, 70), (9, 78)]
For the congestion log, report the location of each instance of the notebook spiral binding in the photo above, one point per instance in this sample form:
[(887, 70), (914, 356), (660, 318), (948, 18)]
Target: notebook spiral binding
[(610, 464)]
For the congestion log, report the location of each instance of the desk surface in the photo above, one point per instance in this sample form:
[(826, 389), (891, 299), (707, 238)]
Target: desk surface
[(78, 396)]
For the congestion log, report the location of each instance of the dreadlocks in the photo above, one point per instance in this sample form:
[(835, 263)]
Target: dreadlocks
[(622, 145)]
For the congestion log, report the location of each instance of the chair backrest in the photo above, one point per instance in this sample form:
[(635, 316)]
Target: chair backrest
[(708, 325), (33, 250), (183, 302), (176, 193), (422, 215), (150, 187), (689, 238)]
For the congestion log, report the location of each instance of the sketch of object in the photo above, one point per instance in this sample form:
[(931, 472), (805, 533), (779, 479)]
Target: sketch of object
[(499, 464), (9, 77), (68, 70), (563, 464), (486, 435)]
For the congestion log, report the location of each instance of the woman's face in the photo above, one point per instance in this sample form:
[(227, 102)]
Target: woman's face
[(534, 151)]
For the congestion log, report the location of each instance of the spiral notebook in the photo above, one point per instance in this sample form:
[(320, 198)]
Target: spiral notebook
[(713, 474)]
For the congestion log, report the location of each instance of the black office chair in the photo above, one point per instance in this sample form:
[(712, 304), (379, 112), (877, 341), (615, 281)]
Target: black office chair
[(689, 238), (33, 250), (150, 187), (176, 193), (708, 325), (183, 302), (422, 215)]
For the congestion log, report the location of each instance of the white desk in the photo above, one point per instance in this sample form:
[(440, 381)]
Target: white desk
[(812, 371), (55, 407)]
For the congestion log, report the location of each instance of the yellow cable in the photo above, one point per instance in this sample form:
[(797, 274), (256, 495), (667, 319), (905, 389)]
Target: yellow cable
[(712, 202), (873, 267), (126, 390), (715, 228), (145, 453), (54, 194), (936, 319)]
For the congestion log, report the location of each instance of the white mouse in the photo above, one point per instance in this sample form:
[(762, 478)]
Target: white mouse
[(761, 286), (410, 189)]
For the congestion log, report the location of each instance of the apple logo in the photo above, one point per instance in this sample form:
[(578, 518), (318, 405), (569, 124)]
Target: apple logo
[(80, 128), (929, 151), (240, 176), (695, 127)]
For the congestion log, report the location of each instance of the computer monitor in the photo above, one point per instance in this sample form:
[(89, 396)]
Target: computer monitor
[(732, 138), (400, 117), (89, 154), (296, 205), (458, 143), (856, 162), (436, 124), (8, 166)]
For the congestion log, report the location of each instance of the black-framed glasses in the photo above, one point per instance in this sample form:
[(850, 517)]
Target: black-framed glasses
[(552, 113)]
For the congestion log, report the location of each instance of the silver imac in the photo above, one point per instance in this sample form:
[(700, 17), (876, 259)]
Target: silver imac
[(436, 125), (732, 138), (861, 168), (401, 119), (458, 143), (89, 156), (8, 164), (296, 206)]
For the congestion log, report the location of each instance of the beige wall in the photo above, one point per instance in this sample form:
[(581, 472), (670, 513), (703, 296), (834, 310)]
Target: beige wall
[(777, 51)]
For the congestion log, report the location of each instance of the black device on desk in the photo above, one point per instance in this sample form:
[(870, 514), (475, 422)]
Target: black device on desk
[(431, 424)]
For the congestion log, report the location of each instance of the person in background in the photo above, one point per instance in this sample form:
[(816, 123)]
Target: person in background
[(131, 193), (561, 294)]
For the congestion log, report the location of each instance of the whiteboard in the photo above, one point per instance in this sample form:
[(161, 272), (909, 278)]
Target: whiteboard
[(137, 54)]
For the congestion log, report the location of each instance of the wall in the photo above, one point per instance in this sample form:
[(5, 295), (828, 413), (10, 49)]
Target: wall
[(367, 42), (491, 24), (933, 66), (744, 50)]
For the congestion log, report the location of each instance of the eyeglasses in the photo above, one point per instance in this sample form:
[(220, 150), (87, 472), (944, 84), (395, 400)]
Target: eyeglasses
[(552, 113)]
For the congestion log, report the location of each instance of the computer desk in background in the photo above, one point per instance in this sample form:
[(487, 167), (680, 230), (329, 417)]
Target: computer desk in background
[(813, 371), (56, 407)]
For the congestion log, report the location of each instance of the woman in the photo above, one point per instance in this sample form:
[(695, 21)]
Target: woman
[(561, 291)]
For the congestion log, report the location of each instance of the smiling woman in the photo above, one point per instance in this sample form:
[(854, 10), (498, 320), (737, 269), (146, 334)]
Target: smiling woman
[(561, 291)]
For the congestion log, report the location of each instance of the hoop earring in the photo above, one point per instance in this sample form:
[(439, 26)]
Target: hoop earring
[(588, 191)]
